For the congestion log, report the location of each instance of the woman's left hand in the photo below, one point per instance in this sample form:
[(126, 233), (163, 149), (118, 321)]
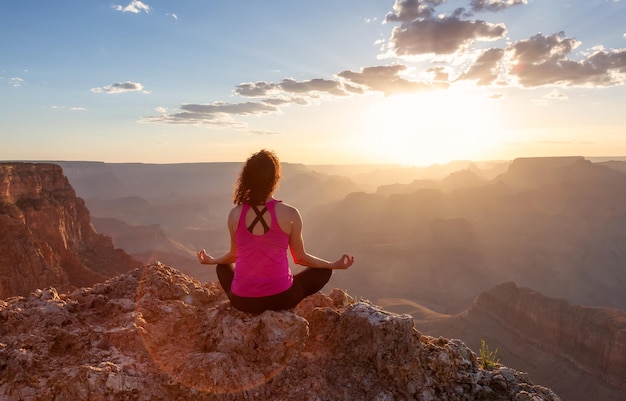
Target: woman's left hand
[(344, 262), (205, 259)]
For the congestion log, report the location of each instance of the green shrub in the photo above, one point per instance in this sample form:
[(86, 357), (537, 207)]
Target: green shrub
[(488, 358)]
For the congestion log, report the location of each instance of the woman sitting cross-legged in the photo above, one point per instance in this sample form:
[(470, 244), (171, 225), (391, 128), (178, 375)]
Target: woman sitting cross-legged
[(261, 230)]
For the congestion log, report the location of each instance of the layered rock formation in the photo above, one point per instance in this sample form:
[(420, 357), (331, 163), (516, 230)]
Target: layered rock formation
[(578, 351), (156, 334), (593, 339), (46, 237)]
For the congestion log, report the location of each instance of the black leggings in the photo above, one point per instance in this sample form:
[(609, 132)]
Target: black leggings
[(307, 282)]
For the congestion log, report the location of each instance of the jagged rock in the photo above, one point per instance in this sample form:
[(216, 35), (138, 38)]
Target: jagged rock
[(46, 237), (157, 334)]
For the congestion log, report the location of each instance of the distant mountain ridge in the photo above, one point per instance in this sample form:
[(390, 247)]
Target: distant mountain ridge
[(557, 225)]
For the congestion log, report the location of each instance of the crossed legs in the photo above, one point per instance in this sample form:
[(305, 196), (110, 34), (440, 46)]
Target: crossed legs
[(305, 283)]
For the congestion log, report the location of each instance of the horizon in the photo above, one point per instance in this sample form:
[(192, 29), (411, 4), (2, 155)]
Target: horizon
[(593, 159), (407, 82)]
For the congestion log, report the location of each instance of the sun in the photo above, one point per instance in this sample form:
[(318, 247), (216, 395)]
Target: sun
[(429, 128)]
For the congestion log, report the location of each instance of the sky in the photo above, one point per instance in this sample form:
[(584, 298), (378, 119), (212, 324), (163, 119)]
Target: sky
[(414, 82)]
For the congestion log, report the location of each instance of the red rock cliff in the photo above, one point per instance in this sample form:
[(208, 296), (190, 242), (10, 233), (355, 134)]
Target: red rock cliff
[(592, 338), (46, 237)]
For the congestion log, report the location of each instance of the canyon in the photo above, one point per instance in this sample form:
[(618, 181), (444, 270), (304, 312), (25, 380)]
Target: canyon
[(438, 249)]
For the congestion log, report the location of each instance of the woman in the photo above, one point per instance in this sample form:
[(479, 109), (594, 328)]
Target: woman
[(261, 229)]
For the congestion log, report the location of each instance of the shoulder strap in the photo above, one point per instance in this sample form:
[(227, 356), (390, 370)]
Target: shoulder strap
[(259, 219)]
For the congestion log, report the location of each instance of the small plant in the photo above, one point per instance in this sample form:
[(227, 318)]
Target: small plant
[(488, 358)]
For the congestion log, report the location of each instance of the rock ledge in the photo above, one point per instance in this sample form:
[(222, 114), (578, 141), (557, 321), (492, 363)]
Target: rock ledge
[(156, 334)]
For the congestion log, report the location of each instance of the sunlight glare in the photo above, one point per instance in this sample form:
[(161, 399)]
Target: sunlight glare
[(428, 128)]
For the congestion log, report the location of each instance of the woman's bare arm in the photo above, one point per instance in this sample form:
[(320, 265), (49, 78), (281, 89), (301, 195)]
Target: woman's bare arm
[(299, 254), (230, 256)]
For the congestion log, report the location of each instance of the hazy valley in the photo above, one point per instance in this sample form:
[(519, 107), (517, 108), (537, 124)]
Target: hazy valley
[(438, 236)]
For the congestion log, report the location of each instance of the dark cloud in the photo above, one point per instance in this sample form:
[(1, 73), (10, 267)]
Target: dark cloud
[(541, 60), (386, 79), (445, 35), (278, 101), (311, 87), (539, 48), (246, 108), (255, 89), (217, 114), (495, 5), (484, 70)]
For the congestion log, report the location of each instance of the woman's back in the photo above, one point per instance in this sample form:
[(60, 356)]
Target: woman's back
[(262, 267), (284, 215)]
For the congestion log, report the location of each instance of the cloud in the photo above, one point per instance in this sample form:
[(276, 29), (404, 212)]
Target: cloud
[(255, 89), (120, 87), (409, 10), (290, 86), (546, 60), (217, 108), (215, 114), (73, 108), (384, 79), (387, 79), (495, 5), (542, 60), (134, 7), (441, 36), (172, 15), (16, 82), (314, 85), (185, 118), (485, 69)]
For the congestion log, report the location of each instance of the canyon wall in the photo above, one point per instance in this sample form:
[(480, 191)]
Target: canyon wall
[(592, 338), (46, 237)]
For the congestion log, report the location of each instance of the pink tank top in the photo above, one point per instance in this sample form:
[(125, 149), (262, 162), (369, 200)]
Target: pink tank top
[(262, 267)]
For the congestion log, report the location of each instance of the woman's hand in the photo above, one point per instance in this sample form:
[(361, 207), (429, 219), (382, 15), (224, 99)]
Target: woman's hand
[(344, 262), (205, 259)]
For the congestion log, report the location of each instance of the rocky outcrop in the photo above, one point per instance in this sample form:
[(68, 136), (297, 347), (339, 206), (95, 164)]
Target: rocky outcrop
[(157, 334), (46, 237), (592, 338)]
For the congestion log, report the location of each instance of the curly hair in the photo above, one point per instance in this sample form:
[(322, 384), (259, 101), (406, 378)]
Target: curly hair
[(258, 179)]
